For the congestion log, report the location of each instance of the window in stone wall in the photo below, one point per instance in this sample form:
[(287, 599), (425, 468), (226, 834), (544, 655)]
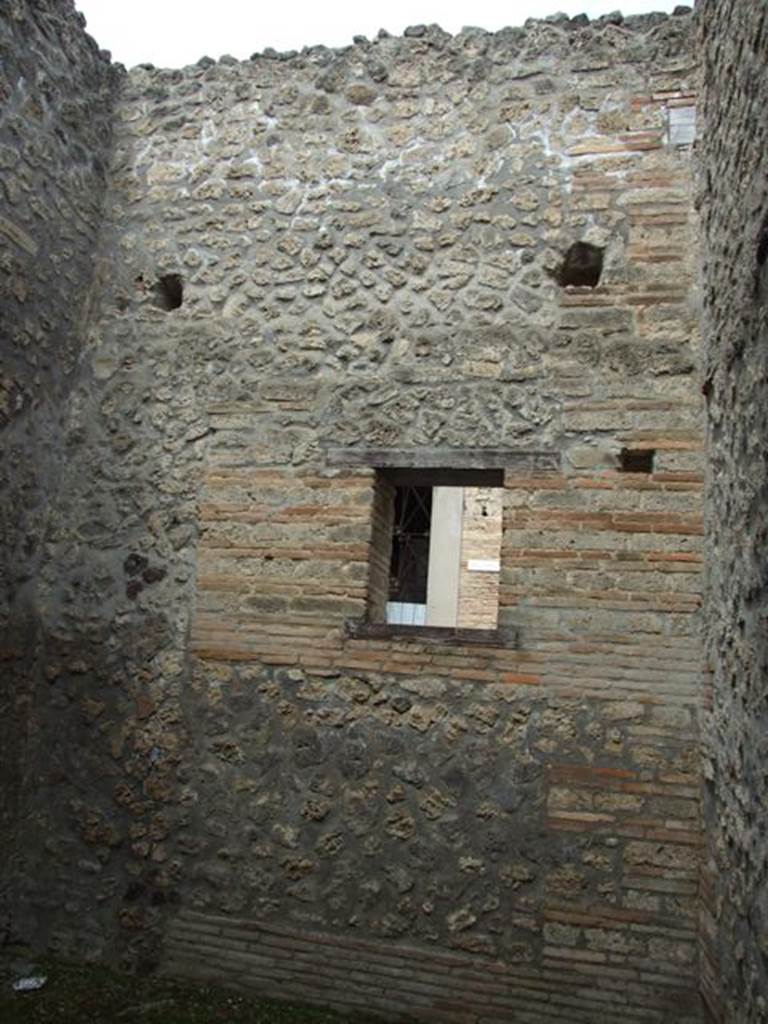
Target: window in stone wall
[(436, 548), (434, 563)]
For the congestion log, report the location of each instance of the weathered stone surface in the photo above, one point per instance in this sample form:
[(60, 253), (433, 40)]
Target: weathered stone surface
[(56, 99), (366, 245), (733, 192)]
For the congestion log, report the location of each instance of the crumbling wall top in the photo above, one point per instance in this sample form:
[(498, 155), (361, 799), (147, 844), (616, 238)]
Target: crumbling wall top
[(557, 40)]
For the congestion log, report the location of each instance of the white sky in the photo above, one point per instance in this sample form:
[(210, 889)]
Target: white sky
[(172, 33)]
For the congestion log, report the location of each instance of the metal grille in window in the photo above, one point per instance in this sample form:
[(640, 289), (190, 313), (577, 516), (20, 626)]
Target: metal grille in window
[(410, 545)]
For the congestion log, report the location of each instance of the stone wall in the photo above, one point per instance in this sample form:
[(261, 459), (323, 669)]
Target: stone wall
[(734, 201), (56, 95), (307, 257)]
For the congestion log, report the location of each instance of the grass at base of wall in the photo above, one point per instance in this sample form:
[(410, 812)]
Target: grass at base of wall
[(96, 995)]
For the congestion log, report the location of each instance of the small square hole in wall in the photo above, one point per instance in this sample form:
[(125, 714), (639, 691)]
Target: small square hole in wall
[(436, 549), (581, 266), (636, 460), (168, 292)]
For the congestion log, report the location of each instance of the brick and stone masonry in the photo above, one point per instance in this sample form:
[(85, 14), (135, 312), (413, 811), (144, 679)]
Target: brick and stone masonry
[(302, 259)]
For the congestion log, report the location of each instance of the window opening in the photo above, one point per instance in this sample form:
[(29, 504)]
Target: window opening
[(440, 546)]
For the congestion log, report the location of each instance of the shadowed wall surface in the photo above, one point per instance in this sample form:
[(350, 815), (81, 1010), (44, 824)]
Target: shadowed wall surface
[(734, 203), (56, 98)]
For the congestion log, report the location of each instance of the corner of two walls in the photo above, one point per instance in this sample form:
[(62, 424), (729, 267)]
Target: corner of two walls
[(733, 199), (57, 94)]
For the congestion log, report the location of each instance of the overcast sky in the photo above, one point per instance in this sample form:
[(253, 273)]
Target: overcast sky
[(172, 33)]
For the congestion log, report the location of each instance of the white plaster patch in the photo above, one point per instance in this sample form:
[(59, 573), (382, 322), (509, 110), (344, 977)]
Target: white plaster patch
[(484, 565)]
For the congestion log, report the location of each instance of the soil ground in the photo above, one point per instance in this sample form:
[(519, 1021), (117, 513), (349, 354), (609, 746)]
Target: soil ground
[(95, 995)]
